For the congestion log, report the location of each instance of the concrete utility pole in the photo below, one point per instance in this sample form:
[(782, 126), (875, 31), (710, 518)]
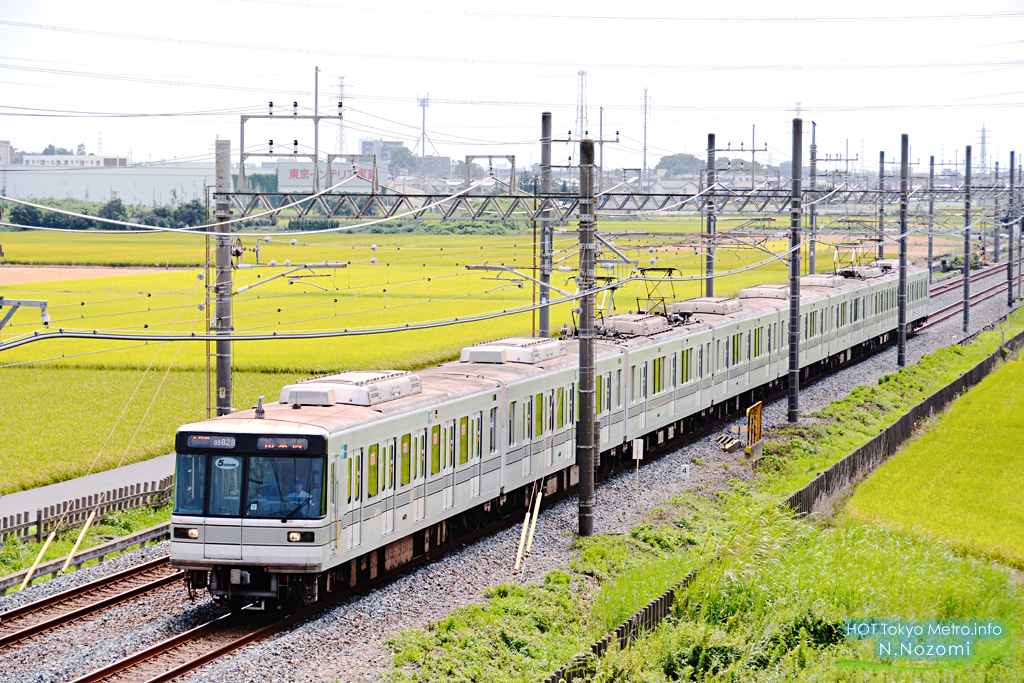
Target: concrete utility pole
[(1011, 214), (967, 240), (881, 205), (812, 185), (709, 259), (931, 213), (546, 236), (586, 453), (643, 175), (222, 306), (901, 354), (794, 273)]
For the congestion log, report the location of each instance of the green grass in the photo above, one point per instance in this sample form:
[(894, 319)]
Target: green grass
[(769, 605), (16, 555), (961, 480), (794, 455)]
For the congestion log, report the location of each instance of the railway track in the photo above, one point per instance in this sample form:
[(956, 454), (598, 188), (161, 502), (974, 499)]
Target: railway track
[(943, 314), (177, 656), (958, 283), (62, 609)]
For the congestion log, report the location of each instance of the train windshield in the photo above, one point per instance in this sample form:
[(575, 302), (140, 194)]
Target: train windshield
[(274, 486), (281, 486)]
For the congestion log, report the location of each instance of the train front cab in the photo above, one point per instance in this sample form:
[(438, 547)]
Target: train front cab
[(250, 520)]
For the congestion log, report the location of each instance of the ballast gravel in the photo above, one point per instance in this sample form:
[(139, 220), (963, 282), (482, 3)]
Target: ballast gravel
[(346, 643)]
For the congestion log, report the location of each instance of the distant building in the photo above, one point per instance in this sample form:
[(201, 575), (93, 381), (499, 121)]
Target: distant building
[(382, 148), (73, 160), (6, 153), (436, 166)]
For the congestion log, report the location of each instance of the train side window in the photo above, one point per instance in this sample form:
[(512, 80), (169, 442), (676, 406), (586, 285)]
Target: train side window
[(406, 459), (463, 440), (512, 423), (572, 403), (600, 394), (538, 417), (728, 347), (748, 345), (618, 388), (608, 392), (527, 418), (561, 407), (190, 484), (493, 445), (718, 354), (643, 381), (435, 449), (450, 461), (656, 370), (686, 366), (757, 342), (672, 371), (632, 384), (371, 479)]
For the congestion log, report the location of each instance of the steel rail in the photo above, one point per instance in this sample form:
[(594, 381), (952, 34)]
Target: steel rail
[(957, 283), (943, 314), (68, 599)]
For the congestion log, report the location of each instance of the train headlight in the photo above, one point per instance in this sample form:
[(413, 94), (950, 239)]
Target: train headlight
[(300, 536), (182, 532)]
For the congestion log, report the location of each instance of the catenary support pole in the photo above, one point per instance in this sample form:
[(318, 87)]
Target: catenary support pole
[(1010, 215), (585, 451), (316, 130), (901, 354), (709, 259), (222, 287), (812, 185), (967, 240), (931, 214), (995, 221), (544, 315), (794, 274), (881, 205)]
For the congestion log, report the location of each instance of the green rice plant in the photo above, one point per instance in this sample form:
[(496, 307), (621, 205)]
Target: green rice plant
[(959, 481)]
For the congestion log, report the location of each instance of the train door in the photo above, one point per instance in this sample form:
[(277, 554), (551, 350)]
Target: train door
[(354, 499), (448, 463), (388, 473), (333, 510), (224, 522), (700, 372), (643, 397), (475, 443), (419, 475)]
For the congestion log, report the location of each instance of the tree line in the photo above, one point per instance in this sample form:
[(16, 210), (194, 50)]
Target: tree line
[(185, 215)]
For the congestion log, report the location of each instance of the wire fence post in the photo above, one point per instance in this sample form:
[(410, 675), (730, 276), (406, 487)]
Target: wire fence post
[(901, 354), (794, 273)]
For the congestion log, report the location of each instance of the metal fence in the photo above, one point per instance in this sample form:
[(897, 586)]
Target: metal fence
[(73, 513), (644, 621), (837, 478)]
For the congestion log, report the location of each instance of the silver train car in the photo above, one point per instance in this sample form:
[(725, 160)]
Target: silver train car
[(355, 474)]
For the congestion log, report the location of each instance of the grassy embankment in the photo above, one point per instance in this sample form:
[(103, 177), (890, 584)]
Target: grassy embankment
[(775, 594)]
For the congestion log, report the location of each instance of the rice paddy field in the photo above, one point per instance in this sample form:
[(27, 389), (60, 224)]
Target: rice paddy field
[(961, 480)]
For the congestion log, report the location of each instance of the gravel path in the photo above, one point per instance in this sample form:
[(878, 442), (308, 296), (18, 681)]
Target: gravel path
[(347, 642)]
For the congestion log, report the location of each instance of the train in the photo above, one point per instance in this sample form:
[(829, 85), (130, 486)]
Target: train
[(352, 475)]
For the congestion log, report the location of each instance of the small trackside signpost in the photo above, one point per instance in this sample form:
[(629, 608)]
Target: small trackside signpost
[(755, 444)]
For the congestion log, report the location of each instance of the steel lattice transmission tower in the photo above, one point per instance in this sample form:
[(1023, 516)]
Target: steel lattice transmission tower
[(581, 106), (342, 143), (424, 102), (983, 159)]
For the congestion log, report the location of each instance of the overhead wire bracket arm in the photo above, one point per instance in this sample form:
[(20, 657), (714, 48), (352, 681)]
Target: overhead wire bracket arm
[(515, 272), (15, 304)]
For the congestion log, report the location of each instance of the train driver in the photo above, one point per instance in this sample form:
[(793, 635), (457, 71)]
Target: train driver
[(298, 493)]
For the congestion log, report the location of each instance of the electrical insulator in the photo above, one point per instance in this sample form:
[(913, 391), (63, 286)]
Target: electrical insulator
[(295, 108), (296, 143), (271, 108)]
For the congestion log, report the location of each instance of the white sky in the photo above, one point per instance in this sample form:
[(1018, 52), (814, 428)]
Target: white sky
[(865, 72)]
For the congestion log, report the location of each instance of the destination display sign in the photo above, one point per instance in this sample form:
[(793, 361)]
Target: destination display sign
[(211, 441), (281, 443)]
